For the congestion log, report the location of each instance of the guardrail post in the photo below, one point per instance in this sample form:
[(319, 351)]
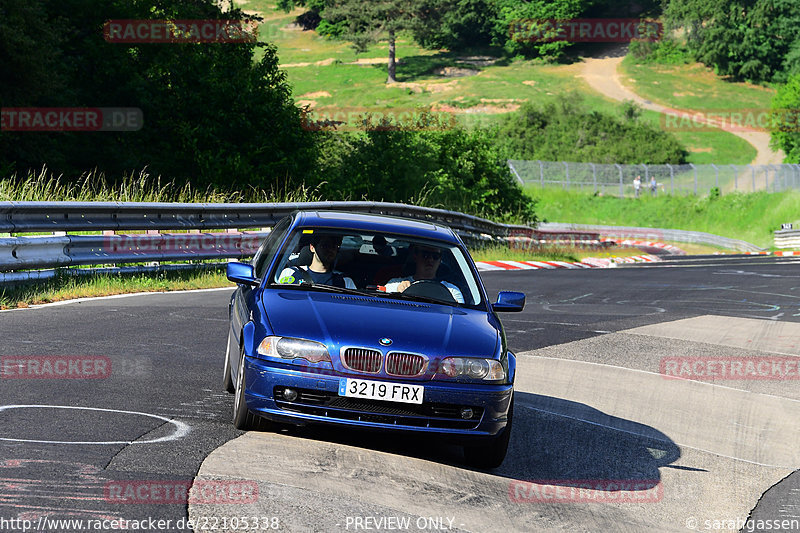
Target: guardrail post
[(671, 179), (695, 177), (767, 168), (594, 175), (541, 173), (735, 178), (621, 185), (754, 176), (716, 170), (566, 165)]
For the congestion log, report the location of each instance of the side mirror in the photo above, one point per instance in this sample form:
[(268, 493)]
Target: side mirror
[(509, 302), (242, 273)]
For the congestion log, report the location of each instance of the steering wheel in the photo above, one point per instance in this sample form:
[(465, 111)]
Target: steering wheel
[(430, 288)]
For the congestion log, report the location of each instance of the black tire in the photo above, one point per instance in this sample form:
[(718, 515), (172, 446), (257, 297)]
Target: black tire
[(491, 454), (242, 417), (227, 381)]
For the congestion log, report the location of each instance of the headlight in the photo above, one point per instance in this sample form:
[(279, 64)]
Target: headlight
[(484, 369), (289, 348)]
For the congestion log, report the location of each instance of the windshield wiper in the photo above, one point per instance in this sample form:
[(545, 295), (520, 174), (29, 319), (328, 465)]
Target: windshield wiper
[(320, 287), (418, 298)]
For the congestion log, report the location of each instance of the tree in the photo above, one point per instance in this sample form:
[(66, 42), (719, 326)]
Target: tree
[(786, 109), (211, 115), (745, 39), (372, 21), (458, 25)]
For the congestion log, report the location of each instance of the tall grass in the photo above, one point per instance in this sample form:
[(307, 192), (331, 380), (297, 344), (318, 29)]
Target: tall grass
[(66, 287), (139, 187)]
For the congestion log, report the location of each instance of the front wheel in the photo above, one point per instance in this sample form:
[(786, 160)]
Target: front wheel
[(242, 417), (492, 454)]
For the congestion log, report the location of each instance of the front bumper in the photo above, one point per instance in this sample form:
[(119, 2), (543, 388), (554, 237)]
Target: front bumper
[(319, 402)]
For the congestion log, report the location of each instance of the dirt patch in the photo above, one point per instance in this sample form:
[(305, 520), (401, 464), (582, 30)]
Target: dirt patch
[(478, 109), (455, 72), (373, 61), (502, 100), (529, 82), (441, 87), (321, 63), (414, 87), (426, 87), (698, 150), (318, 94), (311, 104), (478, 61)]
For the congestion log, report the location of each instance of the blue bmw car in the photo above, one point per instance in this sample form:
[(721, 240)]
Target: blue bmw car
[(372, 322)]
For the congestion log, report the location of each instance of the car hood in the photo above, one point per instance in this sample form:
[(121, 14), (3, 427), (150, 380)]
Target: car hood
[(350, 320)]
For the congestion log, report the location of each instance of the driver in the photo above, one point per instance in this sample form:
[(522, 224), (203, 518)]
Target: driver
[(427, 260), (324, 249)]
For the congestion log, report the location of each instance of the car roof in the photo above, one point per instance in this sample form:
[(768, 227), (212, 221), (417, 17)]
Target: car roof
[(376, 223)]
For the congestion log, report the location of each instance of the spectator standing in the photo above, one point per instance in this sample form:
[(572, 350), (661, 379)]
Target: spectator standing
[(637, 186)]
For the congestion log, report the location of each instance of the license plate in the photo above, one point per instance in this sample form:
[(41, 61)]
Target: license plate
[(380, 390)]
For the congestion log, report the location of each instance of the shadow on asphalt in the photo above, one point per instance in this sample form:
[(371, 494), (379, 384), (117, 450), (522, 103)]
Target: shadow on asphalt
[(553, 440)]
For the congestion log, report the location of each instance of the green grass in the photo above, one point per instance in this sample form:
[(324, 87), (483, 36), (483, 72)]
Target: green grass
[(696, 87), (71, 287), (751, 217), (495, 91), (693, 87), (504, 253)]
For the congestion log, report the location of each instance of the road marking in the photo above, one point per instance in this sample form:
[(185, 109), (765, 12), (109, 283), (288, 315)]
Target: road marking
[(181, 429)]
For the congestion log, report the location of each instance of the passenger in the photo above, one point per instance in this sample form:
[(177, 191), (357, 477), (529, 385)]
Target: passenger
[(320, 272), (427, 260)]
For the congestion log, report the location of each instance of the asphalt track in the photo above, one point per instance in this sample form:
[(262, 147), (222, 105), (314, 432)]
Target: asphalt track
[(591, 405)]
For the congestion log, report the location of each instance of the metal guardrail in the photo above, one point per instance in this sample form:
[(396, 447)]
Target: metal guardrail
[(787, 238), (36, 252), (18, 217), (657, 234), (26, 253)]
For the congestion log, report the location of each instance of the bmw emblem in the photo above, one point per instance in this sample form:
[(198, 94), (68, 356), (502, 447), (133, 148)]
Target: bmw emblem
[(386, 341)]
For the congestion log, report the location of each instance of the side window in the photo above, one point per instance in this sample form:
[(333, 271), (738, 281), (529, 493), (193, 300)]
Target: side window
[(270, 247)]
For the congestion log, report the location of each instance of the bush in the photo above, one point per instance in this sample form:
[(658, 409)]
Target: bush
[(566, 131), (453, 169), (665, 52)]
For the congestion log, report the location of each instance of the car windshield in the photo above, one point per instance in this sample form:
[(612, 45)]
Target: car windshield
[(376, 264)]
